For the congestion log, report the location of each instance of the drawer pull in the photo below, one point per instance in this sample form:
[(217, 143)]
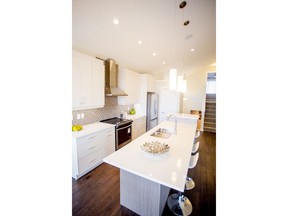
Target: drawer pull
[(91, 147), (91, 137), (92, 161)]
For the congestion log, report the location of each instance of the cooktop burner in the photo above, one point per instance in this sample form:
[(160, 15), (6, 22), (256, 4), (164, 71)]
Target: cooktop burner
[(116, 121)]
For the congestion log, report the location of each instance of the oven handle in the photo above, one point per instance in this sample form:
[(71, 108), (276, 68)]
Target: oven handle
[(124, 127)]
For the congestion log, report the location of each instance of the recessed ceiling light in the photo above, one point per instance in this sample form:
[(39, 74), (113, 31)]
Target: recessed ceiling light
[(183, 4), (192, 50), (154, 54), (140, 42), (186, 22), (163, 62), (116, 21)]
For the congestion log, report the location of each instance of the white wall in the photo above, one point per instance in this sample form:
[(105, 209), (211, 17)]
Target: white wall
[(168, 100), (195, 94)]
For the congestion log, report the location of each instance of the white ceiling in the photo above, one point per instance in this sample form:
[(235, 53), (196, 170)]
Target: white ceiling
[(158, 23)]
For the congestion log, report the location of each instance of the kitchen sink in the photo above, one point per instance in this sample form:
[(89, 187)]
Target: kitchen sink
[(162, 133)]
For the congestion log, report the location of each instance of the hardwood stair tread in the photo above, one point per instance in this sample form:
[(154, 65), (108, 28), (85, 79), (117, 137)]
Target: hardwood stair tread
[(210, 113)]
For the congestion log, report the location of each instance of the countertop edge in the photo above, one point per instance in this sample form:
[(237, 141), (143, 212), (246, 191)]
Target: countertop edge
[(91, 128)]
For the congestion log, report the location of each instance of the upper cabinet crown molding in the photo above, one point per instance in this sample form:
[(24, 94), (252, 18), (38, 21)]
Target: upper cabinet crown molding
[(87, 82)]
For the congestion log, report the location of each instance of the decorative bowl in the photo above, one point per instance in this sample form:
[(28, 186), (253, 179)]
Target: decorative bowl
[(155, 147)]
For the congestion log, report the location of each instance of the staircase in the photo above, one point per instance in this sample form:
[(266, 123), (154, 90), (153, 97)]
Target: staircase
[(210, 113)]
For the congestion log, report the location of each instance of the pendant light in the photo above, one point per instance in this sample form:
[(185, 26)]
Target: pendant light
[(182, 82), (179, 83), (173, 71), (184, 85), (172, 79)]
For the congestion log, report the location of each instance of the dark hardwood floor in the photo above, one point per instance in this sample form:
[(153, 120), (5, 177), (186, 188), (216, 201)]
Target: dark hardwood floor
[(98, 192)]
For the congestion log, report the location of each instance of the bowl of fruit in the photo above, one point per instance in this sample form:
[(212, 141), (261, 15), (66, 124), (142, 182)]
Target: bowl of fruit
[(132, 111), (76, 127)]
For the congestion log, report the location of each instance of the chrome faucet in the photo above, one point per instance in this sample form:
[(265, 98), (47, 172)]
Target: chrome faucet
[(175, 127)]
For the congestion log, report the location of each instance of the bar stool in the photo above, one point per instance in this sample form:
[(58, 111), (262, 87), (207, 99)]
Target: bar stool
[(179, 204), (195, 147), (197, 134), (190, 184), (189, 181)]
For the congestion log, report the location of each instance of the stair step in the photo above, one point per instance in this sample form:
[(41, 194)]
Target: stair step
[(210, 110), (210, 124), (209, 119), (211, 101), (210, 129), (211, 106), (210, 115)]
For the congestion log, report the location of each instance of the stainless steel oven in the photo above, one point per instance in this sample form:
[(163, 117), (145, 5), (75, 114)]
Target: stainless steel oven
[(123, 135), (123, 131)]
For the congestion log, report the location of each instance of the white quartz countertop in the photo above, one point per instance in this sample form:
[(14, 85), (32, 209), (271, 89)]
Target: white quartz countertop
[(136, 116), (91, 128), (169, 169), (186, 116)]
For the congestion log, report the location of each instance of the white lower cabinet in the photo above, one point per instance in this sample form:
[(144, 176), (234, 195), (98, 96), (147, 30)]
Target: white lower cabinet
[(138, 127), (90, 161), (108, 142), (88, 151)]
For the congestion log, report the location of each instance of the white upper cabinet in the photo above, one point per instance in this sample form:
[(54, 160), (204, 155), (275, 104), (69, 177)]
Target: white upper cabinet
[(147, 85), (130, 82), (87, 82), (150, 83)]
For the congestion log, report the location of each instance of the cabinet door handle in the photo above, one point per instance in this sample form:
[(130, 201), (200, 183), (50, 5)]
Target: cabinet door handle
[(91, 137)]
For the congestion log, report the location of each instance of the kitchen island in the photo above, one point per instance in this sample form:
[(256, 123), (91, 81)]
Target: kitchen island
[(146, 179)]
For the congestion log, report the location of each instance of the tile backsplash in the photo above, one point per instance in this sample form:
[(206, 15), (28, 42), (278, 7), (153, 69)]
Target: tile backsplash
[(110, 110)]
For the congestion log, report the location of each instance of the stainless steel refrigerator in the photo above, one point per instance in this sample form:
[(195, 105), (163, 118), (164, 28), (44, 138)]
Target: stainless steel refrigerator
[(152, 111)]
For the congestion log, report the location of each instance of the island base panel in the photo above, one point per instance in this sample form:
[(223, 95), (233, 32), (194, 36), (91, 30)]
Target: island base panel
[(141, 195)]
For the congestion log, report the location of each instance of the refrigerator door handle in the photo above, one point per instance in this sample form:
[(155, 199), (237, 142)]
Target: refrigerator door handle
[(155, 107)]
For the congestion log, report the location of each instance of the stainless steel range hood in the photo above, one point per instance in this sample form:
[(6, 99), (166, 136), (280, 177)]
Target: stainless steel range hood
[(111, 79)]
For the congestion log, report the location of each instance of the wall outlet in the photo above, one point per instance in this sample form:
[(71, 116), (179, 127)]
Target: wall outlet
[(82, 115), (78, 116)]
